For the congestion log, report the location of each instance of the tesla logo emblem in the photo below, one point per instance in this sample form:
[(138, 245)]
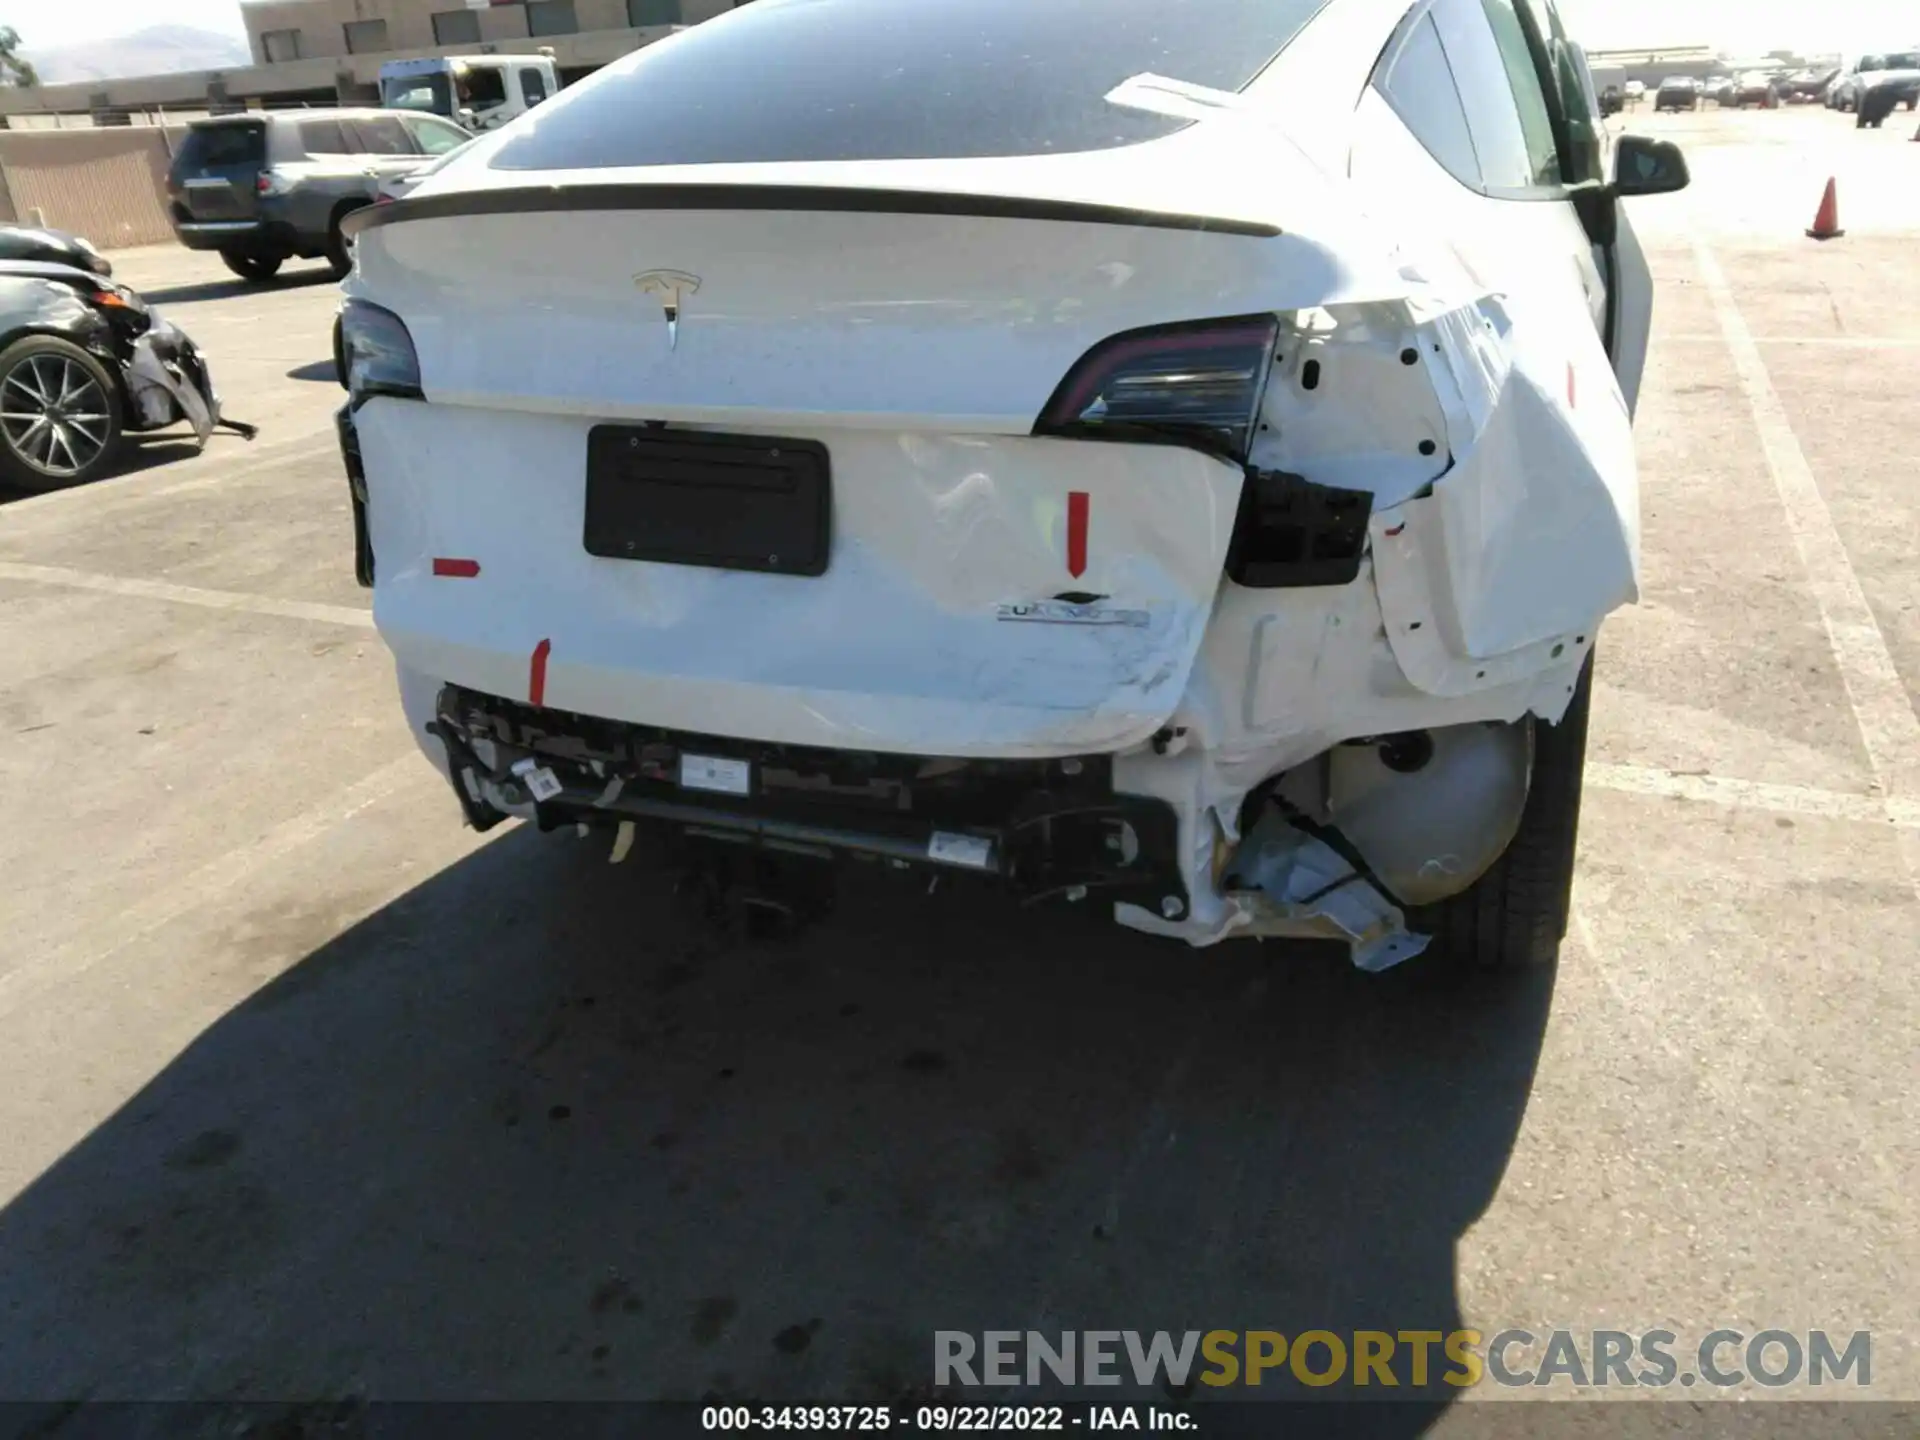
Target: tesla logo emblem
[(670, 288)]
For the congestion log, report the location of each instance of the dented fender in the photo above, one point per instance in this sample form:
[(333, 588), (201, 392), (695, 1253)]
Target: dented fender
[(1507, 563)]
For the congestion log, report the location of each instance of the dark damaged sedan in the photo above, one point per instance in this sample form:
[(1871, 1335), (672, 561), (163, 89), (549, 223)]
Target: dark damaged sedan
[(84, 362)]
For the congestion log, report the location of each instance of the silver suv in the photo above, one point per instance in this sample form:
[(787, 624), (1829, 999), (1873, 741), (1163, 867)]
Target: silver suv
[(260, 188)]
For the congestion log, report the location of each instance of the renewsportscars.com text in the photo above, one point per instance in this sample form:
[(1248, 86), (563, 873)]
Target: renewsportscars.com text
[(1384, 1359)]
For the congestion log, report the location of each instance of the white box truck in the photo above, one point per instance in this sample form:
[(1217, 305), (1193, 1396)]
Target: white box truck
[(480, 92)]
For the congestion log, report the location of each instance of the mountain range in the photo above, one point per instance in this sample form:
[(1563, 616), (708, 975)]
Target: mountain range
[(156, 50)]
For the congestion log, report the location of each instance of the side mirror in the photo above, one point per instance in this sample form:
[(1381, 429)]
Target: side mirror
[(1648, 167)]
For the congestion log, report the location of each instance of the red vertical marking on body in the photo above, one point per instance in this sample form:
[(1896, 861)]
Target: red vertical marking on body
[(537, 674), (1078, 503), (1573, 400)]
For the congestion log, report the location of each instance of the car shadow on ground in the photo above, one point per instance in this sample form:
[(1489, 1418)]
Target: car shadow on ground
[(228, 289), (137, 453), (315, 370), (535, 1131)]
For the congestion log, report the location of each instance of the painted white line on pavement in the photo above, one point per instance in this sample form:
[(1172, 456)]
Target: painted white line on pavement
[(1888, 727), (209, 469), (1844, 342), (187, 594), (173, 899), (1732, 794)]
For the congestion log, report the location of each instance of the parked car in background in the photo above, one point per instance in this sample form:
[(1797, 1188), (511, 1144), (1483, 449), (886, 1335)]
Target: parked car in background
[(1679, 92), (263, 188), (393, 187), (83, 363), (52, 247), (1719, 89), (1897, 73), (712, 476), (1804, 87), (1636, 90), (477, 92), (1756, 87), (1612, 100)]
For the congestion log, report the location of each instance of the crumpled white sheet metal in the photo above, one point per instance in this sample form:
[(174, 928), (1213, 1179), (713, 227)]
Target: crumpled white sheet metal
[(1480, 600)]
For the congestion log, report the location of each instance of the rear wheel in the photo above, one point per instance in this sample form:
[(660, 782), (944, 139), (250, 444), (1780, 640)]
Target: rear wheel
[(339, 253), (252, 267), (1515, 916), (59, 414)]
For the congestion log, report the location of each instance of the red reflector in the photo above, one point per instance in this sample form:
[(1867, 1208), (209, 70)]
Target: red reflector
[(456, 569), (537, 673), (1078, 503)]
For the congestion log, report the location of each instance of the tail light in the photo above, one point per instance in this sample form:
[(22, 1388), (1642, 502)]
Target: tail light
[(1198, 384), (376, 353), (270, 182)]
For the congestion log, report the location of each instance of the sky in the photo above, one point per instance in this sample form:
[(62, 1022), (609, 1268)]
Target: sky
[(1753, 25)]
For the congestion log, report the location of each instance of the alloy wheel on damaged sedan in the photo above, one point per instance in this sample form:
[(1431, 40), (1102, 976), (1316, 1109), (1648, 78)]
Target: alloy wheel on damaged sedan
[(59, 414)]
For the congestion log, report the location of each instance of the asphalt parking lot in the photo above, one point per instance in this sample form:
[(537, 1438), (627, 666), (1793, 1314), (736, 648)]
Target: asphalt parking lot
[(306, 1092)]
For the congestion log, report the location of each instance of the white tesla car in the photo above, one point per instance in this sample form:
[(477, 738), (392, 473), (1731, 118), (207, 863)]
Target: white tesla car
[(1170, 457)]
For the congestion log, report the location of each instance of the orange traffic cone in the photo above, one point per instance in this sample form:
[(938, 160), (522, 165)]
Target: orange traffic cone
[(1826, 225)]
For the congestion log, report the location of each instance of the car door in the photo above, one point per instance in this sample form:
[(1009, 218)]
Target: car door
[(387, 149), (1627, 313), (533, 86), (331, 169), (434, 138), (1498, 93)]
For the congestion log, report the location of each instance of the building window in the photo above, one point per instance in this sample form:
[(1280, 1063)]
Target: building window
[(279, 45), (551, 17), (456, 27), (366, 37), (641, 13)]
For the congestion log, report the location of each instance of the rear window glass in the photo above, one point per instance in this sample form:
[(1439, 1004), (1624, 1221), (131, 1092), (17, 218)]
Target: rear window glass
[(793, 80), (209, 146)]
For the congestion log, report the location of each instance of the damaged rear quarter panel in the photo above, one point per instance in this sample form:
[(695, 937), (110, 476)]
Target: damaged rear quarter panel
[(1508, 564)]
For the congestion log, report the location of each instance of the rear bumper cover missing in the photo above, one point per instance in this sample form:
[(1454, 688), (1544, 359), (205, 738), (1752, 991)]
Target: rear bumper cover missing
[(1047, 828)]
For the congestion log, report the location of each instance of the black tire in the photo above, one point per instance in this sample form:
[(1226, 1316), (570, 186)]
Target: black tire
[(1515, 916), (339, 252), (79, 402), (250, 266)]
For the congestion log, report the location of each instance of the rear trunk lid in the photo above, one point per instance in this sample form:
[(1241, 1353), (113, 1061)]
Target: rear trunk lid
[(987, 592)]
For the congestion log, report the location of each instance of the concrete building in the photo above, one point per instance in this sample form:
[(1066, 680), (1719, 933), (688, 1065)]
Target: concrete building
[(324, 51)]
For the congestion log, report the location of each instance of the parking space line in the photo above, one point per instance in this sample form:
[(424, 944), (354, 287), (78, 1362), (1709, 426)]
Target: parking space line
[(187, 594), (1844, 342), (1888, 726), (1732, 794), (171, 900), (209, 469)]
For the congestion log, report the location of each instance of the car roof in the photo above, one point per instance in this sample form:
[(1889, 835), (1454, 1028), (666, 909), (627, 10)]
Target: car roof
[(290, 117)]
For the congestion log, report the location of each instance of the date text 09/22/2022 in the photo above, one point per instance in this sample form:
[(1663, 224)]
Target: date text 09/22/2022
[(940, 1418)]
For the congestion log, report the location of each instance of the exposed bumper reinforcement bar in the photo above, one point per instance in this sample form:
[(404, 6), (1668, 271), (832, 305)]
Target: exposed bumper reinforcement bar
[(1047, 829)]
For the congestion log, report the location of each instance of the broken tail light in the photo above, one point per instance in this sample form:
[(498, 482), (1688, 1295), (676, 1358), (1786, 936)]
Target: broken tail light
[(377, 352), (1198, 384)]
